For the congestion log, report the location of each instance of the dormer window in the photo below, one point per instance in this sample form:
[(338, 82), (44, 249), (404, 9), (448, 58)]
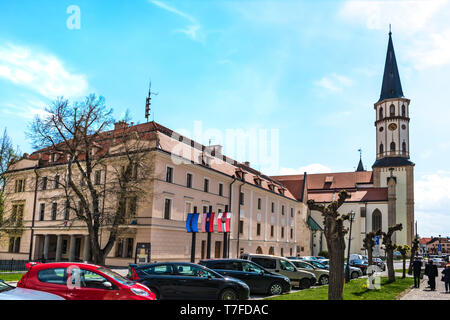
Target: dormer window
[(271, 186), (257, 180)]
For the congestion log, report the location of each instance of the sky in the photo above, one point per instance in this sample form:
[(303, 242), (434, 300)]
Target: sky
[(303, 73)]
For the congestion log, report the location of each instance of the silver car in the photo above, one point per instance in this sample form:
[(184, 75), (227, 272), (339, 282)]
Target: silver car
[(8, 292), (354, 271)]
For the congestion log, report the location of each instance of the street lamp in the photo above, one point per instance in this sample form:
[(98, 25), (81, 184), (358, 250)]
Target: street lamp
[(347, 269)]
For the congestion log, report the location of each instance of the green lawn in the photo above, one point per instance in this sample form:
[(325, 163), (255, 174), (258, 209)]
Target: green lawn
[(11, 276), (354, 290)]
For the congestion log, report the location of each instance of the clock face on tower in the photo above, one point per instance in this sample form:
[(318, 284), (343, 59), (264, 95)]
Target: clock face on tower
[(392, 126)]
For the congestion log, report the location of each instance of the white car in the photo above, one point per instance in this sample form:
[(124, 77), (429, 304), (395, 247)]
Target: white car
[(8, 292)]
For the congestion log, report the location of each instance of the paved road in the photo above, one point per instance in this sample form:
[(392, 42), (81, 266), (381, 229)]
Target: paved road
[(423, 293)]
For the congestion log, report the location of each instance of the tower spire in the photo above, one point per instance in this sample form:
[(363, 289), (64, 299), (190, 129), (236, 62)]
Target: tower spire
[(391, 87), (360, 164)]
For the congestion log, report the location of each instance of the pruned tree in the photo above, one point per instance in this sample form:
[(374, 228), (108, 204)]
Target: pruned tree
[(389, 248), (334, 231), (368, 244), (8, 153), (105, 175), (414, 250), (404, 252)]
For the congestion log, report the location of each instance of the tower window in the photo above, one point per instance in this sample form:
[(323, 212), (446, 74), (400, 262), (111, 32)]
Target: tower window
[(404, 146), (392, 110), (381, 113), (392, 146), (381, 148), (381, 129), (403, 111)]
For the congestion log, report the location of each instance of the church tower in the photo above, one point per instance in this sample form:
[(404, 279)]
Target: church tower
[(393, 168)]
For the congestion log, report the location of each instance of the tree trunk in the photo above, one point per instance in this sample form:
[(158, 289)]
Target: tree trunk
[(336, 275), (390, 264), (370, 256)]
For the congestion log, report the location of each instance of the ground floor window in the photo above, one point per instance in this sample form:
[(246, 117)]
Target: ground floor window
[(14, 245)]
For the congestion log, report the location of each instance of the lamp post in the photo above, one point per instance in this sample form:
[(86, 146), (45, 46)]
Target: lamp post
[(347, 269)]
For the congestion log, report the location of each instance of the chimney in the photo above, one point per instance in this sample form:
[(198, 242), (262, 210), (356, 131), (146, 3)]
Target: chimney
[(120, 125), (247, 163)]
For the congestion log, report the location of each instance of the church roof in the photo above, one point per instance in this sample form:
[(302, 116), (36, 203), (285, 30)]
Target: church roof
[(392, 162), (391, 87), (360, 166)]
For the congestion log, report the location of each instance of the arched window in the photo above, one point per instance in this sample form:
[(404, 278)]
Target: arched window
[(403, 111), (392, 146), (381, 148), (381, 113), (392, 110), (271, 251), (259, 250), (404, 146), (376, 220)]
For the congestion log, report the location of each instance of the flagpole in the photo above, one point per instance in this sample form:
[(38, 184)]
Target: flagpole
[(194, 240), (208, 239), (225, 237)]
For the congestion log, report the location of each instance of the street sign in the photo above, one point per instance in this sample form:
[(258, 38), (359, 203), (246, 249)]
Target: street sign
[(440, 249), (376, 248)]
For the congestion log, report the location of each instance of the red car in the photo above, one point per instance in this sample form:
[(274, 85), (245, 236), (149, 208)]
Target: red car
[(80, 281)]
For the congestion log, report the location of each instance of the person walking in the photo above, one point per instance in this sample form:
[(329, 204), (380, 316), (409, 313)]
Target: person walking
[(417, 267), (432, 272), (446, 277)]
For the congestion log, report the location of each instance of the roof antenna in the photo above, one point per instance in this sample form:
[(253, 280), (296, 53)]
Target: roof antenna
[(147, 101)]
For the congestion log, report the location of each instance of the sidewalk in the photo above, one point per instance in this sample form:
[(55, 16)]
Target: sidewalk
[(423, 293)]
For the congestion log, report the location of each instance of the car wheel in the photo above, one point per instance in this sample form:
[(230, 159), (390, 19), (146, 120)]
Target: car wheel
[(305, 284), (323, 280), (275, 289), (228, 294), (156, 292), (355, 275)]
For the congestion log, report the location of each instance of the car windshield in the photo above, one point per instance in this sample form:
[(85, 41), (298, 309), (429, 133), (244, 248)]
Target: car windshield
[(115, 276), (4, 287), (318, 264)]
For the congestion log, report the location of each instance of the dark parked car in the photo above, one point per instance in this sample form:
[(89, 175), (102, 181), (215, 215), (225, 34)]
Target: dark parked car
[(259, 280), (183, 280), (362, 264), (380, 263)]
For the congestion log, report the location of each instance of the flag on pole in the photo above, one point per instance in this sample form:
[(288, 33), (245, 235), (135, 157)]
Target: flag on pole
[(192, 222), (208, 222), (223, 221)]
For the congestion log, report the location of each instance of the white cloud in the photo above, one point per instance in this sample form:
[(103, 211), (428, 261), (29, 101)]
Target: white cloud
[(43, 73), (192, 30), (334, 82), (432, 203), (311, 168), (419, 23)]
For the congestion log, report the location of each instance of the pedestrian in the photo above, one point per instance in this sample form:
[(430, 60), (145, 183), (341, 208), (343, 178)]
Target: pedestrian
[(446, 277), (417, 268), (432, 272)]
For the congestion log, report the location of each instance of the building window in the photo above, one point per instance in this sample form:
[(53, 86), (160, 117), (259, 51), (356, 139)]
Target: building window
[(119, 247), (381, 148), (221, 189), (392, 110), (129, 252), (98, 177), (56, 182), (206, 185), (241, 198), (54, 210), (376, 220), (282, 210), (189, 180), (241, 226), (17, 214), (131, 207), (14, 245), (292, 233), (292, 212), (167, 208), (404, 146), (381, 113), (187, 208), (271, 231), (403, 111), (258, 229), (66, 211), (259, 203), (44, 183), (392, 146), (282, 232), (41, 211), (20, 185), (169, 174), (273, 207)]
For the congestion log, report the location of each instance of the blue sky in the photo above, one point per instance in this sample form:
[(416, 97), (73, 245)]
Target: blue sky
[(310, 69)]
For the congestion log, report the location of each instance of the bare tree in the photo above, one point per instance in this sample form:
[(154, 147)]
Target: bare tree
[(414, 249), (404, 252), (389, 248), (105, 174), (7, 155), (334, 233), (368, 244)]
